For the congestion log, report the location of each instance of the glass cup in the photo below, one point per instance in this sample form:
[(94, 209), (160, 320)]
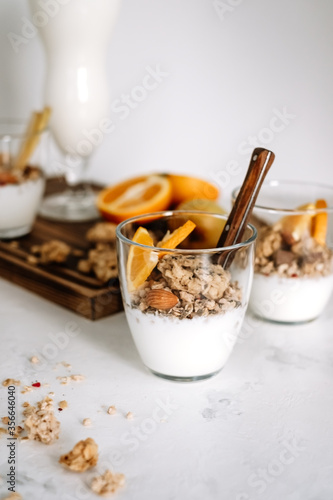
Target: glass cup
[(183, 309), (23, 155), (293, 276)]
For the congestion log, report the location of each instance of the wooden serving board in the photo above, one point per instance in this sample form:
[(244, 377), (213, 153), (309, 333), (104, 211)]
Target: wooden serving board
[(59, 283)]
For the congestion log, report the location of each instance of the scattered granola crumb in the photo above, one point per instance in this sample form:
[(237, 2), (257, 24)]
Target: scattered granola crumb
[(66, 365), (46, 385), (107, 483), (86, 422), (112, 410), (3, 431), (34, 360), (52, 251), (27, 388), (129, 415), (51, 393), (75, 378), (25, 404), (5, 420), (41, 423), (82, 457), (14, 244), (10, 381), (14, 495), (63, 405), (102, 232), (32, 259)]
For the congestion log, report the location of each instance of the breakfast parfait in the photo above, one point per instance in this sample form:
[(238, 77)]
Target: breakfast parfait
[(22, 182), (183, 308), (293, 277)]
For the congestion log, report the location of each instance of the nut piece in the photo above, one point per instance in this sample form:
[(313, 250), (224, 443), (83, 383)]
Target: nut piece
[(112, 410), (161, 299), (107, 483), (86, 422), (82, 457)]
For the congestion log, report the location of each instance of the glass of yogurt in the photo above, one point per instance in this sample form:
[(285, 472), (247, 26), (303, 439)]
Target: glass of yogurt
[(183, 308), (293, 277), (22, 158)]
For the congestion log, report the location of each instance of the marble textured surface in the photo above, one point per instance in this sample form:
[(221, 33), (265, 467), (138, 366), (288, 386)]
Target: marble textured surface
[(260, 429)]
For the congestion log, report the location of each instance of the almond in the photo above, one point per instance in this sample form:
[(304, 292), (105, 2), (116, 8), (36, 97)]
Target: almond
[(161, 299)]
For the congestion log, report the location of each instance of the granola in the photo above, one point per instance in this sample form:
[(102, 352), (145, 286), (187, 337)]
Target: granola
[(40, 422), (52, 251), (201, 286), (274, 255), (107, 483), (102, 261), (102, 232), (82, 457), (10, 381), (14, 495)]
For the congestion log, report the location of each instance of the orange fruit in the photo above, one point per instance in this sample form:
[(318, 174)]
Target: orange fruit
[(208, 229), (186, 188), (177, 236), (136, 196), (320, 222), (141, 261)]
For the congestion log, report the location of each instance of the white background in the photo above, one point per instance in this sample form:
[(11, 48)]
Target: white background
[(228, 72)]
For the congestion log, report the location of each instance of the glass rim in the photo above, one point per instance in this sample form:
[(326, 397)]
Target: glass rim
[(18, 122), (290, 211), (188, 251)]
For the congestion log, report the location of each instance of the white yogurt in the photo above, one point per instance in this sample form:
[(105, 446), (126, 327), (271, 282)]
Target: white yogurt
[(18, 207), (185, 348), (289, 300)]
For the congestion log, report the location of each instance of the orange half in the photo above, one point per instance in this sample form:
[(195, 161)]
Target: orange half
[(186, 188), (137, 196)]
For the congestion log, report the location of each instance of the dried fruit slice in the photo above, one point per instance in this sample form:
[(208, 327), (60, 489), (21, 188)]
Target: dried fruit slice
[(294, 227), (137, 196), (141, 261), (319, 223), (177, 236)]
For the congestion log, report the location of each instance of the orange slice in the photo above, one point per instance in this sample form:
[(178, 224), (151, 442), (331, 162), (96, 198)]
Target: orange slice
[(293, 227), (141, 261), (319, 224), (137, 196), (186, 188), (177, 236)]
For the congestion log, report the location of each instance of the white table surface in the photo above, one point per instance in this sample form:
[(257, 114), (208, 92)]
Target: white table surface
[(261, 429)]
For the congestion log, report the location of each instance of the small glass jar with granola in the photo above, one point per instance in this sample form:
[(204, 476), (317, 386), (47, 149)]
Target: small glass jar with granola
[(23, 155), (183, 308), (293, 278)]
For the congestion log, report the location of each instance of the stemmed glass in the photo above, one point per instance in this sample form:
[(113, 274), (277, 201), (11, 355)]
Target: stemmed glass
[(76, 39)]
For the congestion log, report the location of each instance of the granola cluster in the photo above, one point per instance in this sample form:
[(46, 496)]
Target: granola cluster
[(82, 457), (40, 422), (107, 483), (202, 287), (274, 255), (102, 260)]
